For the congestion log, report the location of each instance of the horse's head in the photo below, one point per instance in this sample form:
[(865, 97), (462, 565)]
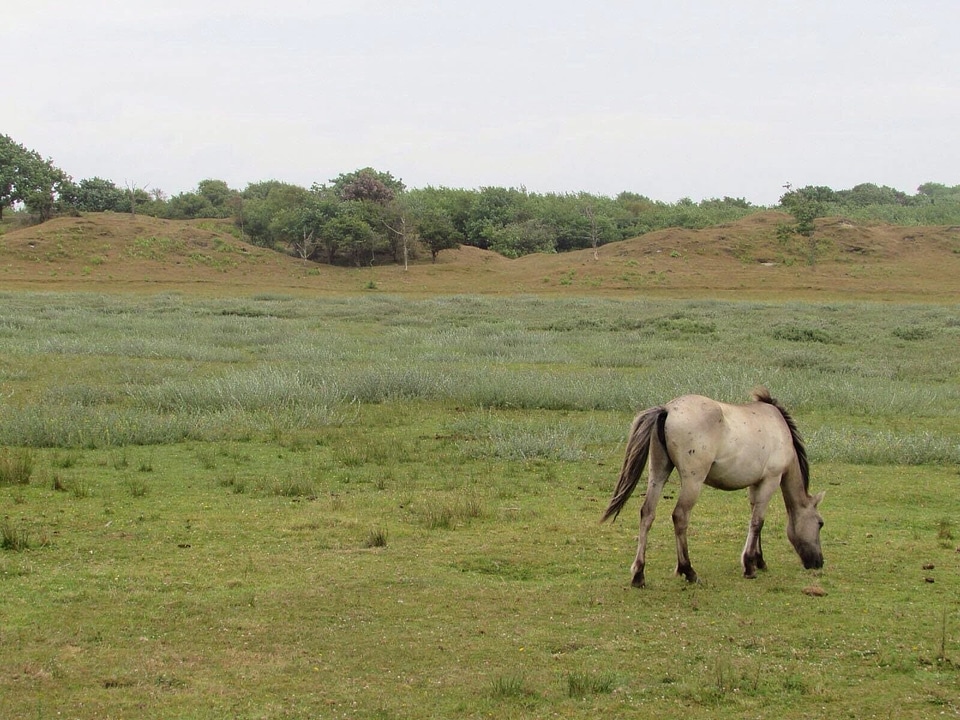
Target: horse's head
[(803, 530)]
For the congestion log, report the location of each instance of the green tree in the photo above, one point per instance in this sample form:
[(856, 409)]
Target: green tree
[(938, 191), (349, 231), (492, 211), (437, 232), (43, 183), (523, 238), (370, 199), (367, 185), (265, 209), (27, 177), (324, 225), (303, 226), (98, 195), (11, 162), (870, 194), (806, 205), (456, 204), (211, 199), (189, 206), (219, 195)]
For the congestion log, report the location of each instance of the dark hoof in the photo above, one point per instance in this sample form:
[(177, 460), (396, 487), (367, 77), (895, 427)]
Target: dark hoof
[(689, 573), (638, 581)]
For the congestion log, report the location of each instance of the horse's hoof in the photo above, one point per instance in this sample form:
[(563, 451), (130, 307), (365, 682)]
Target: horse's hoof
[(638, 581), (688, 572)]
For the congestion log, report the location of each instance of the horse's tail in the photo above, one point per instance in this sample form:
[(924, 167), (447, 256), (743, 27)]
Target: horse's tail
[(635, 460), (761, 394)]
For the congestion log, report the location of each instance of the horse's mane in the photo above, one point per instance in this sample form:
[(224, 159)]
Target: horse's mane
[(761, 394)]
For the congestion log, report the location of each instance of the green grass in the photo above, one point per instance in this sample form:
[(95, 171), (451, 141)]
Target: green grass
[(373, 507)]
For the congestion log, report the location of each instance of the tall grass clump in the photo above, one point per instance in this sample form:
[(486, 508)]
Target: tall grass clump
[(272, 389), (297, 486), (596, 389), (73, 426), (385, 384), (440, 514), (510, 687), (376, 538), (16, 466), (516, 442), (12, 536), (154, 420), (581, 685)]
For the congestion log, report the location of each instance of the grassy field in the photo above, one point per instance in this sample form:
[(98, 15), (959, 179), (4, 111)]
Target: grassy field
[(386, 507)]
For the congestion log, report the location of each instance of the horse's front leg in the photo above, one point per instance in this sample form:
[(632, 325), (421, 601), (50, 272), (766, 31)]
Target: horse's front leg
[(760, 494), (689, 492)]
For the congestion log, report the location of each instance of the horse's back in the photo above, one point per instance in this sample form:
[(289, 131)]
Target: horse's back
[(732, 446)]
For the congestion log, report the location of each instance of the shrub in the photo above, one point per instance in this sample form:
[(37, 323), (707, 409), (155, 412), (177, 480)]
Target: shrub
[(795, 333)]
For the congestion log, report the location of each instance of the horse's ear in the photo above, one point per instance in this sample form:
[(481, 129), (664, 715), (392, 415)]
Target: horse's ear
[(819, 498)]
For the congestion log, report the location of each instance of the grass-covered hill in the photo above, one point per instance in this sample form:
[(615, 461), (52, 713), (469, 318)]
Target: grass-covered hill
[(751, 257)]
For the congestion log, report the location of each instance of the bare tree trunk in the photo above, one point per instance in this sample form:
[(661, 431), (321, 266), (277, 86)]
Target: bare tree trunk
[(401, 232), (305, 248), (132, 189), (403, 237)]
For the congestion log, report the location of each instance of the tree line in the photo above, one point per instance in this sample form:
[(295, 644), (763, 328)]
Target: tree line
[(368, 215)]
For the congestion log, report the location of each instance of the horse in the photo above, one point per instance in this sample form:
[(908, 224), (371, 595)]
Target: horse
[(729, 447)]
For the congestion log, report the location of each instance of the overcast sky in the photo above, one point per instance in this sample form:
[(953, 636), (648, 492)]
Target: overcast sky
[(666, 98)]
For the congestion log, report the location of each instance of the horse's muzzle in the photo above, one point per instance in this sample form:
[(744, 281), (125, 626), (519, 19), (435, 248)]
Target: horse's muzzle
[(812, 561)]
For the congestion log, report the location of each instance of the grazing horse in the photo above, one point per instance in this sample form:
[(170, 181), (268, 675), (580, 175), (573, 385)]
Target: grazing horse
[(728, 447)]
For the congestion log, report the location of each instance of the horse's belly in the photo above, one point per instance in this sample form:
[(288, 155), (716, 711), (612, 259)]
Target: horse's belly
[(744, 464), (735, 475)]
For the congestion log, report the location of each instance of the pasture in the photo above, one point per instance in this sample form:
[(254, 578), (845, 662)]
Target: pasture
[(386, 507)]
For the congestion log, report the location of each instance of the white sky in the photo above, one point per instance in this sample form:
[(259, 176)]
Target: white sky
[(666, 98)]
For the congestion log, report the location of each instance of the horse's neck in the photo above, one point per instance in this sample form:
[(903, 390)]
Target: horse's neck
[(795, 495)]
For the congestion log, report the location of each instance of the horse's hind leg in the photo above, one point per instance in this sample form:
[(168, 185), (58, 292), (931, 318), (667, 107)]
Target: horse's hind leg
[(689, 492), (660, 468), (760, 494)]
